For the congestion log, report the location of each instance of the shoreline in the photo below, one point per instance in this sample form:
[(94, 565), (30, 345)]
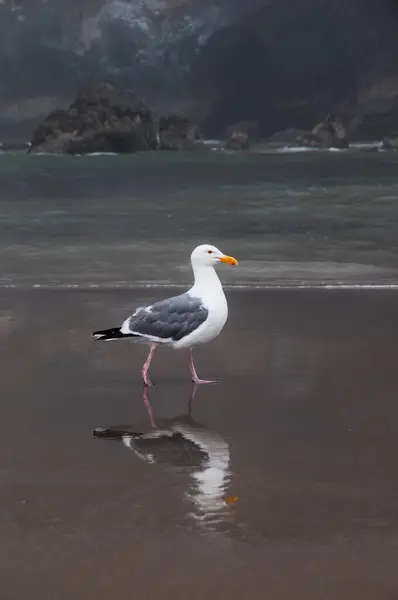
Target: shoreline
[(216, 145), (179, 286)]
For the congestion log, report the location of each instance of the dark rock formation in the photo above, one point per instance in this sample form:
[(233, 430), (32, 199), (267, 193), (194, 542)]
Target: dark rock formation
[(179, 133), (248, 127), (238, 140), (386, 145), (331, 132), (328, 133), (101, 119), (106, 119), (239, 135), (389, 144)]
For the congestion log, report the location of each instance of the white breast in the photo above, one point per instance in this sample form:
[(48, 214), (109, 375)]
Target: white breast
[(217, 307)]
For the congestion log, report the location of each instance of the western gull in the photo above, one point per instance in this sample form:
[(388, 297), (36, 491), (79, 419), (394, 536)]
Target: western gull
[(194, 317)]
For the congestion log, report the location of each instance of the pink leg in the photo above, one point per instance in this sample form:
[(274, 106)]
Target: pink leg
[(148, 406), (147, 363), (195, 377)]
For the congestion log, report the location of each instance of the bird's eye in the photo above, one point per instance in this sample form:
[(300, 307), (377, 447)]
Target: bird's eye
[(210, 252)]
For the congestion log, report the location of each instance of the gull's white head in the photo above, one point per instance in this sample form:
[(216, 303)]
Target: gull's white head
[(209, 256)]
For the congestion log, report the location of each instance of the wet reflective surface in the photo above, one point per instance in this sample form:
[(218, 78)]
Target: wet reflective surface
[(302, 429)]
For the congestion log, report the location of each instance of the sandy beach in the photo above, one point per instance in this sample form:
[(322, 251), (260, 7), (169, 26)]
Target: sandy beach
[(306, 407)]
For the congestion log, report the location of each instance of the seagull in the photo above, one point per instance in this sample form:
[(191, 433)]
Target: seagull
[(194, 317)]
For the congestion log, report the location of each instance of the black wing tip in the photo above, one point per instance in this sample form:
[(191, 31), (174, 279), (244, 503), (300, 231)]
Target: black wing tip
[(111, 334), (107, 334), (114, 433), (97, 336)]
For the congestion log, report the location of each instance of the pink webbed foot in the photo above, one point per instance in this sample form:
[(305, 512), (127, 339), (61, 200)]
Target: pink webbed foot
[(195, 379), (199, 381)]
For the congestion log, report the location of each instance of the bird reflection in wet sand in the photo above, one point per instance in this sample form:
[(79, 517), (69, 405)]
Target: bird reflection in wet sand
[(182, 443)]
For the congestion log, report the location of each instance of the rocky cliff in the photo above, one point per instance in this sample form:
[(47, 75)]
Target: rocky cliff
[(281, 63)]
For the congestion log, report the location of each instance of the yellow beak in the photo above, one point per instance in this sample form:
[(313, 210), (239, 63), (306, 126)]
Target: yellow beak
[(228, 260)]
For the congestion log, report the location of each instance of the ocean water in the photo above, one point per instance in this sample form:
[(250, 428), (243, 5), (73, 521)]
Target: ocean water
[(291, 219)]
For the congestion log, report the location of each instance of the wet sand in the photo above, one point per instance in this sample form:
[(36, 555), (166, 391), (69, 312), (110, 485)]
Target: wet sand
[(307, 416)]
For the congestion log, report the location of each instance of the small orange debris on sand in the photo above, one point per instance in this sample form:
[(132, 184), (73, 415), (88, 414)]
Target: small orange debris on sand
[(231, 499)]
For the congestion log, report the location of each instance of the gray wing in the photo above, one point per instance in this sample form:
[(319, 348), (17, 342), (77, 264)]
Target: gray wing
[(173, 318), (172, 449)]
